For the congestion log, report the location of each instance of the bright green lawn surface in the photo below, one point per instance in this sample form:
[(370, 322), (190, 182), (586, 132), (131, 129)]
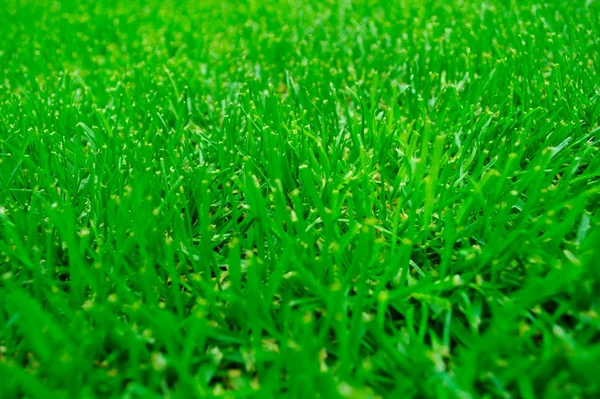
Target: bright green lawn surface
[(299, 198)]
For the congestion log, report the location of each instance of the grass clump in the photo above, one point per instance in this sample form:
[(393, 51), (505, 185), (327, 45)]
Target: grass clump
[(320, 198)]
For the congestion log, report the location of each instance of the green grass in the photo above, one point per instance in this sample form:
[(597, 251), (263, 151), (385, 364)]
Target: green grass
[(299, 198)]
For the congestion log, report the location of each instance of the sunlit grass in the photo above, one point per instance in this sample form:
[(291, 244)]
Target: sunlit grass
[(282, 198)]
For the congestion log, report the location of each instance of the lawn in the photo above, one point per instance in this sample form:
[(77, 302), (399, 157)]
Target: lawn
[(285, 198)]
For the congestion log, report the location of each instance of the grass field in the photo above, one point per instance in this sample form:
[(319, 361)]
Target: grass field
[(288, 198)]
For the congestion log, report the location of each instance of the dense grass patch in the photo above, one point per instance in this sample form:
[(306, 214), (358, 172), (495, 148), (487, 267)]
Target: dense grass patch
[(299, 198)]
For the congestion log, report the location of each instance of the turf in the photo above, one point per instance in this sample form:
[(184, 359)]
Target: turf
[(299, 198)]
